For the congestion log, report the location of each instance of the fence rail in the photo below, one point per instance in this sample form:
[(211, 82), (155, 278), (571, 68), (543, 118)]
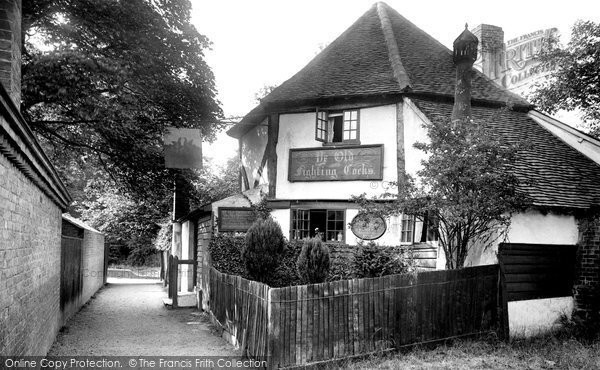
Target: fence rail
[(306, 324)]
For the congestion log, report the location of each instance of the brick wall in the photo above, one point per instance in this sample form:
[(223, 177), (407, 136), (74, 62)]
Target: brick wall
[(93, 264), (10, 48), (30, 225), (587, 281)]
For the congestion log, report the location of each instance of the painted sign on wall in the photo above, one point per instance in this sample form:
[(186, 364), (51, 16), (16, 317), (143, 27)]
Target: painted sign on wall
[(336, 164), (235, 219), (183, 148), (522, 62)]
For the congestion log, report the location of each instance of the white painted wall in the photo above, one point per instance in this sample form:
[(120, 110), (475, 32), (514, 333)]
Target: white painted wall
[(551, 228), (531, 227), (413, 132), (283, 217), (534, 317), (254, 143), (377, 126), (187, 251)]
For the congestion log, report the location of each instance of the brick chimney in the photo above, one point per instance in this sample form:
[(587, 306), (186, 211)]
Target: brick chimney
[(10, 48), (491, 50), (465, 54)]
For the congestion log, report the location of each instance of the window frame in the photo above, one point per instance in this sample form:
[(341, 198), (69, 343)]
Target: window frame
[(293, 222), (324, 126), (409, 219)]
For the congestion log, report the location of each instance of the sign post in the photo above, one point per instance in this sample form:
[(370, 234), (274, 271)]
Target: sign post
[(182, 150)]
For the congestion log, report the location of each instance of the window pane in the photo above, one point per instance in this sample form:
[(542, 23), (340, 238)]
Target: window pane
[(335, 226), (406, 235)]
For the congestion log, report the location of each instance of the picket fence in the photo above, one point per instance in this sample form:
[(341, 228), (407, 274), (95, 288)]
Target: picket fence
[(307, 324)]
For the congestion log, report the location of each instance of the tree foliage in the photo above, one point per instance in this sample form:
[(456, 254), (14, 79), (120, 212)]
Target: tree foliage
[(466, 184), (575, 84), (109, 78)]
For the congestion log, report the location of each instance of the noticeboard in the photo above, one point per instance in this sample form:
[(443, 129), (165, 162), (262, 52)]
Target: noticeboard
[(236, 218)]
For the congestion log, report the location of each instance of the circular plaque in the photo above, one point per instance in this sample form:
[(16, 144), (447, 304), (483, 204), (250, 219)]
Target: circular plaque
[(368, 227)]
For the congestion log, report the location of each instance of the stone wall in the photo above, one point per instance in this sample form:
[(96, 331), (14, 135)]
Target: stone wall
[(30, 225), (587, 281)]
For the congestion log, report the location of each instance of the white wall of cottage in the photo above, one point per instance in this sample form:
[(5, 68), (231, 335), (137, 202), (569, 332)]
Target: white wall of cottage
[(377, 126)]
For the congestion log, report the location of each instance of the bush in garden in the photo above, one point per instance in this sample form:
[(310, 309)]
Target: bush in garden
[(226, 253), (313, 262), (264, 244), (372, 260)]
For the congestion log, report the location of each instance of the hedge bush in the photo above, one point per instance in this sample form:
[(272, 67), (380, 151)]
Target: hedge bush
[(372, 260), (226, 253), (346, 262)]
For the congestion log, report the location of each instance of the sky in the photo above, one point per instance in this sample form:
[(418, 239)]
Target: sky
[(264, 42)]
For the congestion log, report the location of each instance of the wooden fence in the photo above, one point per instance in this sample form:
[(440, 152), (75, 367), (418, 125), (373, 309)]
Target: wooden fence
[(308, 324)]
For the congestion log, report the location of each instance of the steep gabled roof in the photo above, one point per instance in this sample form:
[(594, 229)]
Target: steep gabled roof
[(551, 172), (381, 54)]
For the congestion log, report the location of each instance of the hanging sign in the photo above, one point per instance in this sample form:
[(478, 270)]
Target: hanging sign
[(368, 227), (183, 148)]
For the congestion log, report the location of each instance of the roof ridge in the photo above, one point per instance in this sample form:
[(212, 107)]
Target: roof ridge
[(392, 46)]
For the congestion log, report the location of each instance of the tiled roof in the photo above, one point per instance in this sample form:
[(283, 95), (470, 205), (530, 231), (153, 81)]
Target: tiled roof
[(551, 172), (382, 53)]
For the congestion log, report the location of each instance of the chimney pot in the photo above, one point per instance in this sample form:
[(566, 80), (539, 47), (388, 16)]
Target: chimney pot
[(465, 54)]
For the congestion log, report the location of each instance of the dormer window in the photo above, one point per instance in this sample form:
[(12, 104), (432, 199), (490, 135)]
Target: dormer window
[(337, 126)]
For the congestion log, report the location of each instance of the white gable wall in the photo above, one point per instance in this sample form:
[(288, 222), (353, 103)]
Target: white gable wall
[(297, 130), (414, 132)]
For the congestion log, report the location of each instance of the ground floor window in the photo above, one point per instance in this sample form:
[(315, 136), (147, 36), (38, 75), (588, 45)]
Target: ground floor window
[(408, 229), (327, 223)]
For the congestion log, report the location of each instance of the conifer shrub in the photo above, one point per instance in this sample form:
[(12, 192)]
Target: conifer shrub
[(264, 244), (313, 261)]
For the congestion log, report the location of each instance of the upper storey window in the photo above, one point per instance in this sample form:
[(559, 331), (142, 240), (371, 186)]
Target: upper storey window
[(337, 126)]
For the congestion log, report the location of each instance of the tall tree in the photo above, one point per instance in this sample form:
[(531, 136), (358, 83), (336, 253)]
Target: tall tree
[(102, 79), (575, 84)]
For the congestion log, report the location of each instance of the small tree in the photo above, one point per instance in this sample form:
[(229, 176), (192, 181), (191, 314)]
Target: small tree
[(264, 244), (313, 261), (467, 184)]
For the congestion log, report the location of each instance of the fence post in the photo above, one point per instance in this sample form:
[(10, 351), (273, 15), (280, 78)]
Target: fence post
[(106, 257), (168, 279), (173, 281), (503, 327)]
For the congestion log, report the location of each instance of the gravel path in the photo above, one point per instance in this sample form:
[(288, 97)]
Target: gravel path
[(127, 318)]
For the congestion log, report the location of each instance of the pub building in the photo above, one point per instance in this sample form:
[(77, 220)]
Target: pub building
[(346, 123)]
